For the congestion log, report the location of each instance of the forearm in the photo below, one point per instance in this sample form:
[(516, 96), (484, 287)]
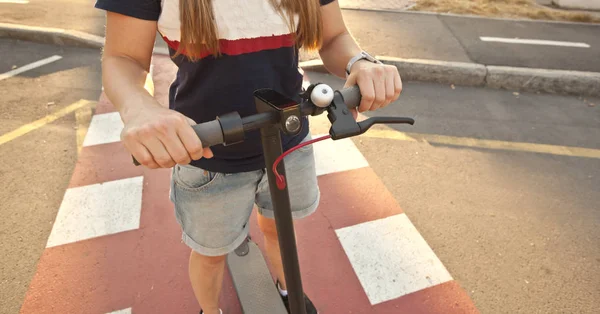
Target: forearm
[(124, 80), (338, 52)]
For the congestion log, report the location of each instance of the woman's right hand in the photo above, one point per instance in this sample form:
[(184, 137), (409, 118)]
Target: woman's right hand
[(161, 138)]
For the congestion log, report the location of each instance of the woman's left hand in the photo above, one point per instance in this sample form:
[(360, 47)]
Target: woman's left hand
[(379, 84)]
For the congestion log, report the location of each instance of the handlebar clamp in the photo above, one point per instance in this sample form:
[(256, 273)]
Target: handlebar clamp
[(233, 128)]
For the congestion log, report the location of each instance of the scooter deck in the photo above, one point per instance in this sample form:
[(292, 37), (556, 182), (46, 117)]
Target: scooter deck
[(253, 282)]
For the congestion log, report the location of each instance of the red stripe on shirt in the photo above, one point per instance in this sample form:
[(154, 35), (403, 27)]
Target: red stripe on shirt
[(244, 45)]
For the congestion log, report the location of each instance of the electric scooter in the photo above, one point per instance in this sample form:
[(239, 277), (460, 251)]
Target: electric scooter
[(278, 114)]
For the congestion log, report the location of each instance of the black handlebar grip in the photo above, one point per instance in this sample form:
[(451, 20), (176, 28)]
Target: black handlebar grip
[(210, 133), (351, 96)]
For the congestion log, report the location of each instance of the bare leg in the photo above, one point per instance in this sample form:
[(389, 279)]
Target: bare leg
[(269, 230), (206, 276)]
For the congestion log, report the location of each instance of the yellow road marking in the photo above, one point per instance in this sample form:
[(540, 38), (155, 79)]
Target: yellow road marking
[(83, 116), (489, 144), (5, 138)]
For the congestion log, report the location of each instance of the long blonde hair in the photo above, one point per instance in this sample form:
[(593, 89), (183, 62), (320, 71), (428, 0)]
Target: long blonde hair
[(199, 31)]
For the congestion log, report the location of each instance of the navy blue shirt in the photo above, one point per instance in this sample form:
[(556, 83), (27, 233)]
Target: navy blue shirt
[(258, 51)]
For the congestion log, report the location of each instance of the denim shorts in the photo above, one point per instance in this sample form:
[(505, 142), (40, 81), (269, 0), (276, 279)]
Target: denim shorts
[(213, 209)]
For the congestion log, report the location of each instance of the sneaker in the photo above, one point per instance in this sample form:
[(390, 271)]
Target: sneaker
[(310, 307)]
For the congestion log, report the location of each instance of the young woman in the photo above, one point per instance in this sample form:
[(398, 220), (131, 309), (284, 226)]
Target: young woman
[(224, 50)]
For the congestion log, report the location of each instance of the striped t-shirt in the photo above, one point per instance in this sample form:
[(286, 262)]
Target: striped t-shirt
[(257, 52)]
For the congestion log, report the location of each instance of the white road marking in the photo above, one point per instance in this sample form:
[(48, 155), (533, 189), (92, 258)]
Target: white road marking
[(97, 210), (535, 42), (390, 258), (28, 67), (104, 128), (336, 156)]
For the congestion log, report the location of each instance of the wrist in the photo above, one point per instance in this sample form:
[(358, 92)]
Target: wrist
[(128, 113), (359, 65), (361, 57), (133, 108)]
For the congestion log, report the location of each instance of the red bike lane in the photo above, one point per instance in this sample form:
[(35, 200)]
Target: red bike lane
[(116, 248)]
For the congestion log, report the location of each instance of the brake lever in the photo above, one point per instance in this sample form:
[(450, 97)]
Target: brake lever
[(366, 124), (343, 124)]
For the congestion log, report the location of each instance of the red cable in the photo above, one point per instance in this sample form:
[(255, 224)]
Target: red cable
[(281, 179)]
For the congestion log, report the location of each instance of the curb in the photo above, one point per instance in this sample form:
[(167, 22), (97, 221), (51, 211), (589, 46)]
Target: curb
[(47, 35), (543, 80), (458, 73), (57, 36), (500, 77)]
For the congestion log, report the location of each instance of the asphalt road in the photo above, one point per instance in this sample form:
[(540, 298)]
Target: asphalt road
[(456, 38), (79, 15), (404, 35), (469, 30), (36, 167), (518, 230), (395, 34)]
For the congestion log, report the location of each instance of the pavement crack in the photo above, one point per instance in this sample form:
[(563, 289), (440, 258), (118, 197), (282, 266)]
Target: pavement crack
[(485, 77), (326, 218), (439, 17)]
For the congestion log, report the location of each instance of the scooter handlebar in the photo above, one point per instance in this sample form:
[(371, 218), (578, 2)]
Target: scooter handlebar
[(210, 133)]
